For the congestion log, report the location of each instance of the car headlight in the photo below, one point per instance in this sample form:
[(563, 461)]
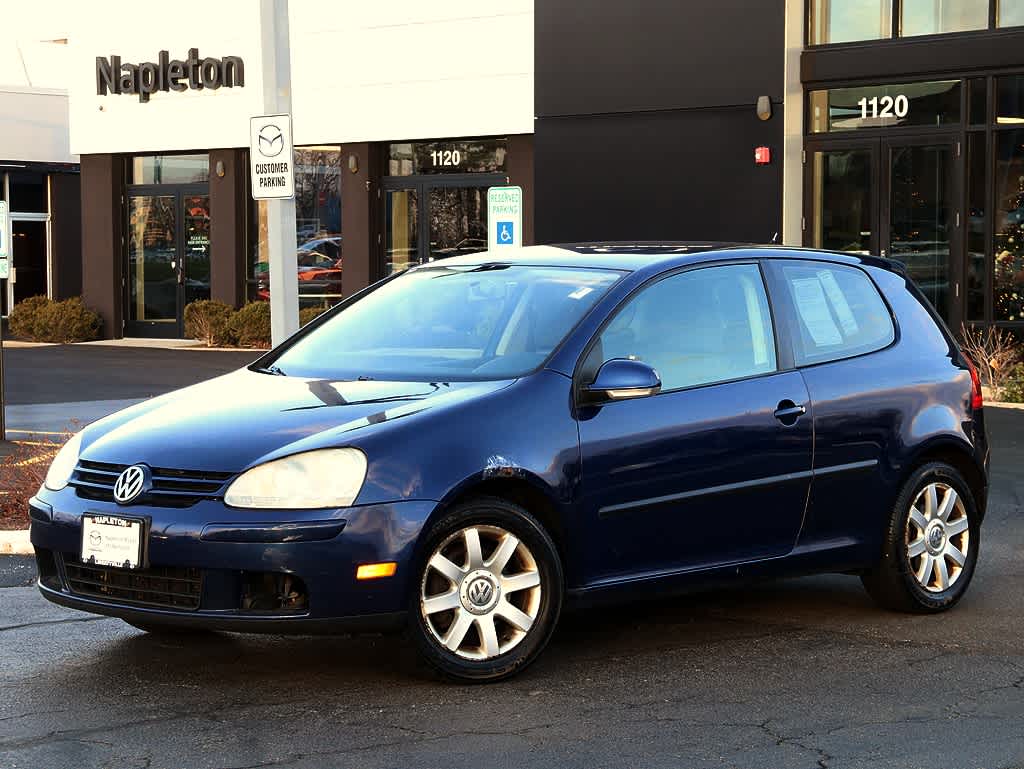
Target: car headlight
[(314, 479), (63, 465)]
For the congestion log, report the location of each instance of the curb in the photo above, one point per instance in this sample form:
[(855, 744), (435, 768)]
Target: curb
[(1004, 405), (15, 543)]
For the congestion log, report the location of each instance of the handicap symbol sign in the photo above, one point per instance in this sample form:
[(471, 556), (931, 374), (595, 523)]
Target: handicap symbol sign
[(506, 233)]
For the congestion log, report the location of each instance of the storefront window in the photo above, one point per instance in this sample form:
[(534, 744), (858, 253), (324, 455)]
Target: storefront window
[(28, 192), (1009, 13), (931, 17), (1010, 100), (169, 169), (1008, 277), (884, 106), (317, 229), (455, 156), (843, 21), (977, 226), (842, 194)]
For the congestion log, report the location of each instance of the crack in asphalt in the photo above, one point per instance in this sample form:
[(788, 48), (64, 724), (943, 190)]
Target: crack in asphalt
[(53, 622)]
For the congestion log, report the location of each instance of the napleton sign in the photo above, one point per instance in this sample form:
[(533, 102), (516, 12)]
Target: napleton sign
[(167, 74)]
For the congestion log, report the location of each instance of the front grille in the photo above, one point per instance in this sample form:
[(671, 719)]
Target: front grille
[(171, 488), (167, 586)]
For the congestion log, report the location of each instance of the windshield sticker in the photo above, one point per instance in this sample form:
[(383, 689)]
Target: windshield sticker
[(810, 302), (579, 293), (839, 303)]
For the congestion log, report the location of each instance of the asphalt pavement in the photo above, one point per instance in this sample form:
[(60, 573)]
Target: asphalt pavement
[(799, 673), (60, 387)]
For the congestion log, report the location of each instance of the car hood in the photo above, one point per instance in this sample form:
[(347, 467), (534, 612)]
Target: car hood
[(235, 421)]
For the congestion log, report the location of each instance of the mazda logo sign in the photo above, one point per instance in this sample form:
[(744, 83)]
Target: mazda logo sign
[(132, 484)]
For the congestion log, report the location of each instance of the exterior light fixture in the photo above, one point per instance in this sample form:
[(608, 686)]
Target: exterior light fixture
[(219, 169), (764, 108), (353, 164)]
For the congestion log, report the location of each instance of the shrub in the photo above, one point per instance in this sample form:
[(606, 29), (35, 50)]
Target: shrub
[(1012, 390), (310, 313), (251, 325), (43, 320), (994, 352), (207, 321), (24, 316), (21, 473)]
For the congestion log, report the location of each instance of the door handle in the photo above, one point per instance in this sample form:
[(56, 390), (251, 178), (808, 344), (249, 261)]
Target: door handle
[(788, 412)]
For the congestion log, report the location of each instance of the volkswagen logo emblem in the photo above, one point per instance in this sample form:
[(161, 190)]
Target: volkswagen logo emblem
[(132, 484), (480, 592)]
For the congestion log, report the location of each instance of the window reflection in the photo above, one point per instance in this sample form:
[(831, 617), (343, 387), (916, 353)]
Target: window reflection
[(977, 225), (169, 169), (318, 243), (931, 17), (1009, 13), (842, 21), (1010, 100)]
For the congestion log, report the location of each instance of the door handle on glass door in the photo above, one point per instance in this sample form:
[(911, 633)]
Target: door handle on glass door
[(788, 412)]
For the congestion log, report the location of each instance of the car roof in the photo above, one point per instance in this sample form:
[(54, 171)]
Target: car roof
[(630, 257)]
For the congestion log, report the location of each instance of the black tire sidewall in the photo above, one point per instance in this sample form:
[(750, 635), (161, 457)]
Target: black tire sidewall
[(496, 512), (921, 598)]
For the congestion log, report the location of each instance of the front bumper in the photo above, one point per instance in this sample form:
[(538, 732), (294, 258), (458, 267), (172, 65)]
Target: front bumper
[(206, 563)]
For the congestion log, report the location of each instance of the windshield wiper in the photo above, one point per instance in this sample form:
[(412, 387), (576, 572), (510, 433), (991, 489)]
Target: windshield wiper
[(270, 370)]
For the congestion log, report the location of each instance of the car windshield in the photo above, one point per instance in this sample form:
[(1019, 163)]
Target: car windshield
[(450, 324)]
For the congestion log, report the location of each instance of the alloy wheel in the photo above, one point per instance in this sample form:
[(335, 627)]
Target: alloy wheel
[(481, 592), (937, 537)]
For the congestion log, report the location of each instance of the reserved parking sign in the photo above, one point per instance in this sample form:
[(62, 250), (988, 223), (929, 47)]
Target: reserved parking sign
[(504, 217)]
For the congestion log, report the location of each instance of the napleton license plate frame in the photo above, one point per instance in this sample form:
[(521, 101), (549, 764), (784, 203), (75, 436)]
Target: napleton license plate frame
[(144, 523)]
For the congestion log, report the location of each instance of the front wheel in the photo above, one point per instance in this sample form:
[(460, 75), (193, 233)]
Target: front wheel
[(931, 545), (488, 591)]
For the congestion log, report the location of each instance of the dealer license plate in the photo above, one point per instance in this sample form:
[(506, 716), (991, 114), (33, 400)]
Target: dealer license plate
[(109, 540)]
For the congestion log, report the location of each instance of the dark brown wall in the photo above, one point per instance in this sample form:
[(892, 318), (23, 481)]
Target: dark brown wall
[(360, 208), (102, 282), (66, 234), (520, 172), (229, 197)]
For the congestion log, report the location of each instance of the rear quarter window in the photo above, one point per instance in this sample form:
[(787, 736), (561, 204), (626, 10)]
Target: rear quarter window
[(836, 312)]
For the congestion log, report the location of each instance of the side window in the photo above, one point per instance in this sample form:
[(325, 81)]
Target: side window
[(706, 325), (837, 312)]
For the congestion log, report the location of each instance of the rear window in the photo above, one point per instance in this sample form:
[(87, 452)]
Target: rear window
[(837, 312)]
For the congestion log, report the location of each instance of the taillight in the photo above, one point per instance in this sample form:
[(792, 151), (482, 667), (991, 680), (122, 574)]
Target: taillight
[(977, 401)]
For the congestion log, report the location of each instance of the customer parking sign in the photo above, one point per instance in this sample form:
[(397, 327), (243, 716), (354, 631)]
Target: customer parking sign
[(504, 217)]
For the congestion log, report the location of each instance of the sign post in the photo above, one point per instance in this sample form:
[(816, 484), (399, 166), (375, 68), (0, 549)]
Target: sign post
[(504, 218), (5, 274), (272, 168)]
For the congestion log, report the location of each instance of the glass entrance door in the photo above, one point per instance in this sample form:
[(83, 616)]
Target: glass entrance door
[(434, 217), (896, 198), (28, 260), (168, 260), (921, 222)]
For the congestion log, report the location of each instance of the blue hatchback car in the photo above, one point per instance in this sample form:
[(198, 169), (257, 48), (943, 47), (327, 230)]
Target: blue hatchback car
[(470, 445)]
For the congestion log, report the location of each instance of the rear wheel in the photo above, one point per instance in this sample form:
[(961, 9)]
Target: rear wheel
[(488, 591), (931, 545)]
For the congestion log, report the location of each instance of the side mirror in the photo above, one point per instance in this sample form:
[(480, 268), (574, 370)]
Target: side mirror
[(622, 378)]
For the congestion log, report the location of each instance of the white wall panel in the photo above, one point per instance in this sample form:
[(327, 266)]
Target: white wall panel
[(34, 126), (361, 71)]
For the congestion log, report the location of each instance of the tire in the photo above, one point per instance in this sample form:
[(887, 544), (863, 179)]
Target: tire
[(479, 605), (902, 580)]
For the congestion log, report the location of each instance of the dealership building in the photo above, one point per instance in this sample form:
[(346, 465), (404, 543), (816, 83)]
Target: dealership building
[(38, 175), (893, 127)]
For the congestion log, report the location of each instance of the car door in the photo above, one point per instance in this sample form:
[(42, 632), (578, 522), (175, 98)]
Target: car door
[(716, 467)]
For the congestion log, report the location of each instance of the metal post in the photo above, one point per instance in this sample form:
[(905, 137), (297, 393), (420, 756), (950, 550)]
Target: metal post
[(281, 241)]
